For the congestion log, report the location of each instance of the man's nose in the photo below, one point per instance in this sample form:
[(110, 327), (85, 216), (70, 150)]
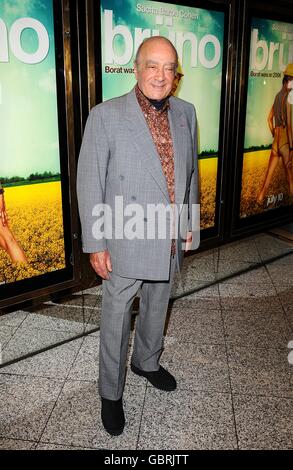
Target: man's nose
[(160, 73)]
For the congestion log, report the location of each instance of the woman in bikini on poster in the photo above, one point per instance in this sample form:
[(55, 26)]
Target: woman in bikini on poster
[(7, 239), (280, 124)]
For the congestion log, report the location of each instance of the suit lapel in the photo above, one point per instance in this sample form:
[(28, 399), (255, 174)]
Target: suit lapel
[(142, 139)]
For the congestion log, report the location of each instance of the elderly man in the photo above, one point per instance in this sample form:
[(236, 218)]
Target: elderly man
[(138, 151)]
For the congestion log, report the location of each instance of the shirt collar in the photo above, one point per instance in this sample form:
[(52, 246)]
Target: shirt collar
[(146, 105)]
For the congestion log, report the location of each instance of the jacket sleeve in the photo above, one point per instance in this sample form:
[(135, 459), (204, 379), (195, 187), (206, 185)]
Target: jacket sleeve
[(194, 207), (91, 179)]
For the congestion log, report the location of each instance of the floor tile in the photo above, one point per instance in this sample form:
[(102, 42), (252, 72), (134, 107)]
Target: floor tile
[(13, 319), (250, 278), (187, 420), (289, 316), (54, 363), (29, 340), (205, 299), (259, 329), (92, 300), (16, 444), (255, 308), (58, 318), (237, 296), (6, 333), (26, 404), (281, 273), (95, 290), (80, 299), (201, 269), (94, 320), (188, 283), (197, 367), (194, 325), (47, 446), (85, 366), (285, 295), (264, 423), (286, 260), (260, 371), (270, 247), (244, 251), (207, 256), (76, 420), (249, 315)]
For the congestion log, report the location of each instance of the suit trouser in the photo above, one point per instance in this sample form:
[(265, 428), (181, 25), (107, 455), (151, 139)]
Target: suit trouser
[(118, 296)]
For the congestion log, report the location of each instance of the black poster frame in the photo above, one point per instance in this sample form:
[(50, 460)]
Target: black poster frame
[(239, 227), (41, 286), (94, 96)]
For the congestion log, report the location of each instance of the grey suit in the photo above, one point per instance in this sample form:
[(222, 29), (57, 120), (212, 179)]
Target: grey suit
[(118, 158)]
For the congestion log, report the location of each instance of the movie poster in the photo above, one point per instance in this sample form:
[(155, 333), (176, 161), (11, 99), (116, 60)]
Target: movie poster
[(31, 222), (198, 37), (267, 175)]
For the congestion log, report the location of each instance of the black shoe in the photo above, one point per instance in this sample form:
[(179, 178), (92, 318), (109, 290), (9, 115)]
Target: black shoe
[(161, 379), (113, 416)]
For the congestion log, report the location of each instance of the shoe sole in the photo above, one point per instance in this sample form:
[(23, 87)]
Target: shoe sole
[(115, 432)]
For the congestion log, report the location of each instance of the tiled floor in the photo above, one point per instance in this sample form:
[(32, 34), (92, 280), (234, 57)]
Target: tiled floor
[(226, 344)]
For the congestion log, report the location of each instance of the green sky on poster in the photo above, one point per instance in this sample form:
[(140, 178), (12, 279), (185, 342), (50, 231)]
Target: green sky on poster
[(272, 50), (28, 106), (201, 84)]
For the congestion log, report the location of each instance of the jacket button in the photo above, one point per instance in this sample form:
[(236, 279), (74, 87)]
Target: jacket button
[(133, 198), (121, 177), (145, 219)]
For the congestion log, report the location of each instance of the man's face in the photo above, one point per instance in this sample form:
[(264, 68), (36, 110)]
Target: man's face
[(155, 70)]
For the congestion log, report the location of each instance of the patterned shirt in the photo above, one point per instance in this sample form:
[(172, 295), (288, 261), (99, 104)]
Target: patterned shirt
[(158, 123)]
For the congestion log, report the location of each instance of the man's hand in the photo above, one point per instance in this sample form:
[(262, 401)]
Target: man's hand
[(101, 263), (3, 213), (188, 241)]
